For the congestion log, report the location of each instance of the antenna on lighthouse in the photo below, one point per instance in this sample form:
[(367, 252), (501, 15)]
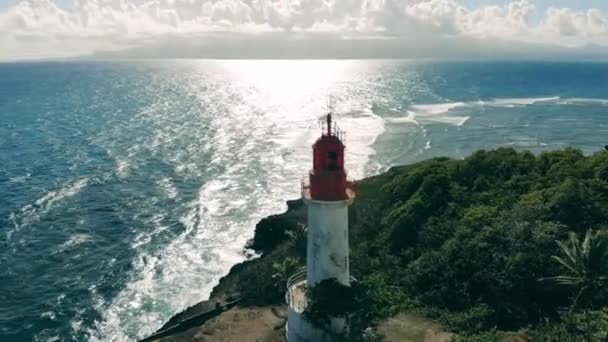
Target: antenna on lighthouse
[(330, 104), (330, 111), (326, 122)]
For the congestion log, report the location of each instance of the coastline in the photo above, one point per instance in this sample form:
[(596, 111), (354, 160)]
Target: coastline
[(270, 233), (416, 228)]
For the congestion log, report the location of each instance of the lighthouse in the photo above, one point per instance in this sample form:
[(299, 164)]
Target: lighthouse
[(327, 194)]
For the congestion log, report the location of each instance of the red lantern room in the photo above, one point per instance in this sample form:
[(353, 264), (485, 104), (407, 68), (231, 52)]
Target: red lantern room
[(328, 177)]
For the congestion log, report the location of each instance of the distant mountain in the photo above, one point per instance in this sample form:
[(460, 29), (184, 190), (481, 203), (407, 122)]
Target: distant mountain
[(320, 46)]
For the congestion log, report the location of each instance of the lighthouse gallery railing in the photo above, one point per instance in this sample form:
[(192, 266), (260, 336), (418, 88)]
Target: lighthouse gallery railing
[(295, 297)]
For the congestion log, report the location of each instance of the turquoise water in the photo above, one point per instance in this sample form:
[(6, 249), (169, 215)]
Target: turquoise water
[(128, 188)]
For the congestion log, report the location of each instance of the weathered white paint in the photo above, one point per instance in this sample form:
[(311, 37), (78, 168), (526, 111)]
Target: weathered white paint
[(327, 252), (300, 330), (326, 257)]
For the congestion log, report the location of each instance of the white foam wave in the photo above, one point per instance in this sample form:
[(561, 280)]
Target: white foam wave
[(20, 179), (571, 101), (144, 238), (422, 114), (69, 189), (122, 168), (362, 127), (169, 189), (449, 120), (431, 114), (49, 314), (31, 213), (74, 241), (523, 101), (182, 274), (442, 108), (526, 101), (437, 108), (47, 335), (410, 118)]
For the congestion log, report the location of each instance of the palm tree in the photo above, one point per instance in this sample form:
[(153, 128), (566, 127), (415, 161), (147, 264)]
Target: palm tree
[(283, 270), (299, 236), (586, 263)]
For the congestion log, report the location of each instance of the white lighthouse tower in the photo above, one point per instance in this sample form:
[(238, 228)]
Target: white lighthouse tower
[(328, 195)]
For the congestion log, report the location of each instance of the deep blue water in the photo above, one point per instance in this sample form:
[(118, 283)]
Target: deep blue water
[(127, 189)]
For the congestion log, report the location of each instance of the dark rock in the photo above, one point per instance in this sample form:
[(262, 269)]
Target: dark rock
[(272, 230)]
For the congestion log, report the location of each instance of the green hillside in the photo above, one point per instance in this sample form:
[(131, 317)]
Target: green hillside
[(464, 242)]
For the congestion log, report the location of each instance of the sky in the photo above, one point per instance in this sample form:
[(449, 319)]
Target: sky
[(543, 5), (38, 29)]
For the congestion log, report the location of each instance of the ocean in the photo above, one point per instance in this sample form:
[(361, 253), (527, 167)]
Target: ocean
[(127, 189)]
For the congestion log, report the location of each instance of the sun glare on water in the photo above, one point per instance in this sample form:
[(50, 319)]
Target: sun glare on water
[(287, 78), (255, 122)]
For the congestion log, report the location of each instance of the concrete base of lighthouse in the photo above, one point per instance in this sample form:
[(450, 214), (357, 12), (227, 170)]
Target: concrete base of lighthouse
[(298, 328)]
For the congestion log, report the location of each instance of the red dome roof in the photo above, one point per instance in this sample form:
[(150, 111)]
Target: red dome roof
[(328, 177)]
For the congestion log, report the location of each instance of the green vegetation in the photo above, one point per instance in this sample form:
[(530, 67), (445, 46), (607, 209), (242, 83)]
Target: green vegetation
[(465, 242), (586, 262), (328, 299)]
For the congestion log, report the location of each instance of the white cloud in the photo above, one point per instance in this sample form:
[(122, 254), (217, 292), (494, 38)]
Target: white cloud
[(566, 22), (39, 28)]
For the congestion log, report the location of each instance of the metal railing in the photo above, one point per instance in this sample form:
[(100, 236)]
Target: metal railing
[(305, 186), (298, 279), (334, 131)]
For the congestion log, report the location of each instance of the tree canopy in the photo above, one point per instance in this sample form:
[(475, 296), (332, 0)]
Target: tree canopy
[(465, 241)]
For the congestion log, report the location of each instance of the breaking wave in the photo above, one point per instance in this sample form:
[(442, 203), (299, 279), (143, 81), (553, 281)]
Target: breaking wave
[(33, 212), (451, 113), (524, 101)]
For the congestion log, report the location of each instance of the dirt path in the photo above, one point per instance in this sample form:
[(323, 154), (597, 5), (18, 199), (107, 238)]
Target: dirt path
[(410, 328), (255, 324)]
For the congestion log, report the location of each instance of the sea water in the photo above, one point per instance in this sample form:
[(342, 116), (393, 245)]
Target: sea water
[(127, 189)]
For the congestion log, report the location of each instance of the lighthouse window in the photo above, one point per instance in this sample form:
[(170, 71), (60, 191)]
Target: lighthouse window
[(332, 157)]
